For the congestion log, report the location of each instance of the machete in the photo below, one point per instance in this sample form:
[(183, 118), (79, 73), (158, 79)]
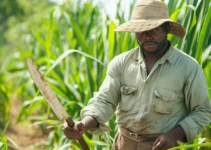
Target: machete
[(50, 97)]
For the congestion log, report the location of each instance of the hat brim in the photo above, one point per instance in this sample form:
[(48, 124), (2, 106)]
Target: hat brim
[(137, 26)]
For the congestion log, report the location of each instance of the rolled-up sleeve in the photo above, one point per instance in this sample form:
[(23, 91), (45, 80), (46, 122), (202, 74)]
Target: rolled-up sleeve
[(198, 104), (103, 105)]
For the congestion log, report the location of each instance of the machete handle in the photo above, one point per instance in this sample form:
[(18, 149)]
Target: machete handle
[(70, 122), (82, 142)]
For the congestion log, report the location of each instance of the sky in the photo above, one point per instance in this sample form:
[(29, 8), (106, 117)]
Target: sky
[(110, 6)]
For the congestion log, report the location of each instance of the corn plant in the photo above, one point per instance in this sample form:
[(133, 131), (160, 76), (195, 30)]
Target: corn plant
[(73, 46), (4, 103), (3, 138)]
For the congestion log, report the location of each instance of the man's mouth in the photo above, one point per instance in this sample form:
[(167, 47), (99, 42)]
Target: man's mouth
[(149, 43)]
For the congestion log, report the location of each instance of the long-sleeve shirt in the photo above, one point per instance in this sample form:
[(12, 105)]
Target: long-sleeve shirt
[(173, 93)]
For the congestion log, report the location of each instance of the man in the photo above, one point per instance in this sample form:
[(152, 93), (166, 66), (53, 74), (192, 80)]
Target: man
[(159, 93)]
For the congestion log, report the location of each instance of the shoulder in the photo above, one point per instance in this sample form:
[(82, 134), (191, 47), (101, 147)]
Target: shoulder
[(117, 64), (185, 59), (124, 57), (188, 65)]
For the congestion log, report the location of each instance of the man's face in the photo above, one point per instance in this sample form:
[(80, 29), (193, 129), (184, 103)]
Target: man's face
[(153, 40)]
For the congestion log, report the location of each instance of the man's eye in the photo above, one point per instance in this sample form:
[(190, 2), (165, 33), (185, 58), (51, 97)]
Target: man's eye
[(156, 29)]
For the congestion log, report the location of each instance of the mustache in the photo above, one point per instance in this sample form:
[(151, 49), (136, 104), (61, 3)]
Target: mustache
[(150, 41)]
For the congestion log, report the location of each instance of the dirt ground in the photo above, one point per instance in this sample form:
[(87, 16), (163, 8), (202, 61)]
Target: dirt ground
[(23, 134)]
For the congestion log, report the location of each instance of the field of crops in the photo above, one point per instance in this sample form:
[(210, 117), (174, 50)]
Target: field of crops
[(72, 45)]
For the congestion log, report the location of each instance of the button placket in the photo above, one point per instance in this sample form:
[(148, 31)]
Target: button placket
[(142, 100)]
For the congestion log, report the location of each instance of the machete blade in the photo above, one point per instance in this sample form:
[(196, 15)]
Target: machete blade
[(45, 90)]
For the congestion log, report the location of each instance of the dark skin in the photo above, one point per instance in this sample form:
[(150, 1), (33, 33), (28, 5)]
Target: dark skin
[(154, 45), (87, 123)]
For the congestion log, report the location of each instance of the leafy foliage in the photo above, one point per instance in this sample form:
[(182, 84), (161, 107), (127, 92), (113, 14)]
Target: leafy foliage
[(72, 44)]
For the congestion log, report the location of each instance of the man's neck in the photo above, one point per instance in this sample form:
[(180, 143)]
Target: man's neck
[(156, 56)]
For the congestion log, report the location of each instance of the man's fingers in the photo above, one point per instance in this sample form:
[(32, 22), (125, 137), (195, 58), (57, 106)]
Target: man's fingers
[(159, 145), (72, 134), (80, 127), (156, 141), (75, 132)]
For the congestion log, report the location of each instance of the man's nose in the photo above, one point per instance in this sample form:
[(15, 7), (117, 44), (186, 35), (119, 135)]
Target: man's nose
[(148, 34)]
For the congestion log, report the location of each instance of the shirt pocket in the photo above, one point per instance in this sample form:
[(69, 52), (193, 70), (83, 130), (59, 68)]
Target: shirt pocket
[(127, 100), (164, 100)]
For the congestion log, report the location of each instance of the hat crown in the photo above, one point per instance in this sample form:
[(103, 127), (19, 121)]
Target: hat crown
[(150, 14), (150, 9)]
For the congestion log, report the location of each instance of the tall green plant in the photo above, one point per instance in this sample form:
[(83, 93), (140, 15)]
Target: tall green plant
[(3, 138), (4, 102), (72, 48)]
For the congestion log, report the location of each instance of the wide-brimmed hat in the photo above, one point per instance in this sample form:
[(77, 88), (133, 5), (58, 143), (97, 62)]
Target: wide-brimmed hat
[(149, 14)]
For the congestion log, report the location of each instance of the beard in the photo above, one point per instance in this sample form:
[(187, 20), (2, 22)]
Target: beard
[(160, 45)]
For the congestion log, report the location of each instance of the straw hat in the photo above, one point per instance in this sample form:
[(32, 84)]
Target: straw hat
[(149, 14)]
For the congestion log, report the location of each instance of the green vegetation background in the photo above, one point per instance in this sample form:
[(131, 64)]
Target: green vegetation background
[(72, 44)]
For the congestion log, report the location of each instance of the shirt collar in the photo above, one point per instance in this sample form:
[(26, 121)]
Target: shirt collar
[(167, 56), (137, 55)]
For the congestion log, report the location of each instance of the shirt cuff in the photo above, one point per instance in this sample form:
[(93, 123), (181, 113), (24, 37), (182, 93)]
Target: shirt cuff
[(191, 128), (100, 130)]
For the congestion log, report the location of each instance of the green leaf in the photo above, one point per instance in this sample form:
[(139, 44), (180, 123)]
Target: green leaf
[(203, 34), (66, 53), (1, 145), (111, 39), (191, 146), (64, 147), (174, 15), (206, 53), (2, 136), (79, 34)]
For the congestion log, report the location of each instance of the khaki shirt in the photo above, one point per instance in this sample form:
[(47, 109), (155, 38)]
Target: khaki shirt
[(174, 92)]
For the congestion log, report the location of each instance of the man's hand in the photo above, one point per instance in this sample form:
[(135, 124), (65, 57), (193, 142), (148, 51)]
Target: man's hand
[(169, 139), (80, 127), (164, 142), (76, 132)]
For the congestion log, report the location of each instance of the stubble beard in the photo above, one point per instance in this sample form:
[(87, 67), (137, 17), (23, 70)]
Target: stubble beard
[(160, 46)]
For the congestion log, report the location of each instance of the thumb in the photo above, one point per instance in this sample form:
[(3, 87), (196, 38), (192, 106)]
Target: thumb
[(70, 122), (80, 127)]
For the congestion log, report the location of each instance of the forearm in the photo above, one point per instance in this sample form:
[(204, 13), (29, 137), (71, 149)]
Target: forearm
[(90, 123), (178, 133), (194, 123), (170, 139)]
